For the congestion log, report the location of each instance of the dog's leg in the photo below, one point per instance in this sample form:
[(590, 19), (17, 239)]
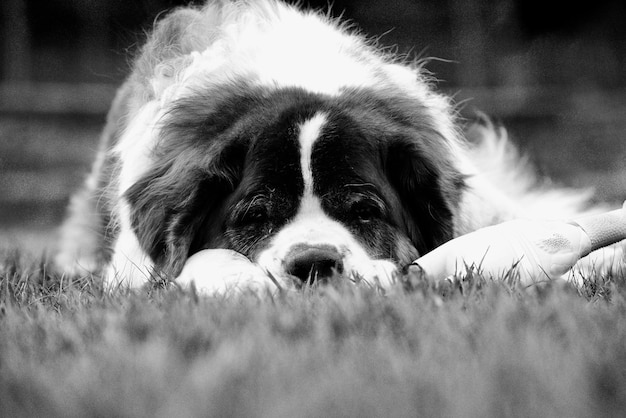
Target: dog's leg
[(80, 244), (224, 271), (90, 226), (129, 267)]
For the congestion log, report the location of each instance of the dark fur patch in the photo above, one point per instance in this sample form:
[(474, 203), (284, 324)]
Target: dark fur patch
[(381, 170)]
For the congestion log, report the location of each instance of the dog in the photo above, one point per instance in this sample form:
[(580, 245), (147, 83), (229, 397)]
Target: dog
[(292, 143)]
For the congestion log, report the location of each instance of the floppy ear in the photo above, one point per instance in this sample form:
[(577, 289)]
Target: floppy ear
[(429, 188), (171, 202)]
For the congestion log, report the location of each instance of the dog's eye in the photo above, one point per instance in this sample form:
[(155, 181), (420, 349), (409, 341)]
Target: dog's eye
[(365, 211), (252, 215)]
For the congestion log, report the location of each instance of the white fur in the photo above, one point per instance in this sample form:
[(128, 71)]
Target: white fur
[(503, 185), (275, 45), (279, 46), (235, 272), (130, 265), (136, 145), (309, 132)]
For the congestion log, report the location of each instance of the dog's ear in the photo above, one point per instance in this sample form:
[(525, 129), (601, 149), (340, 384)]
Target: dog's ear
[(429, 188), (170, 202)]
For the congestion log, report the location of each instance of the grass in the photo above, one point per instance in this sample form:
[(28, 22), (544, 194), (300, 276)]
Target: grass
[(474, 348)]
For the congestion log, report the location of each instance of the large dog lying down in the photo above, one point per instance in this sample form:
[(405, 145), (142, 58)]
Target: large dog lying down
[(280, 135)]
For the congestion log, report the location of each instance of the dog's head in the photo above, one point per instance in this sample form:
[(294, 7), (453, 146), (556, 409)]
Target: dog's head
[(303, 184), (291, 142)]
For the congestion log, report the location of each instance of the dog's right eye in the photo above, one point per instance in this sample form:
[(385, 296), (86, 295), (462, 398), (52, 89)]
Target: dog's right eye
[(251, 215)]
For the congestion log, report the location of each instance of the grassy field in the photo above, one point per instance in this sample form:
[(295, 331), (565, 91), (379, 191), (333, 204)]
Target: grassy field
[(473, 349)]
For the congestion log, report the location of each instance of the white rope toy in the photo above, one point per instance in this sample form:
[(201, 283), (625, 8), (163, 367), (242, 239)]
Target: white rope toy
[(539, 250)]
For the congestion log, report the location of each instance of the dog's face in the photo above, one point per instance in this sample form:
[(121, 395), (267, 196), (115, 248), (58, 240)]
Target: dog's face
[(305, 185)]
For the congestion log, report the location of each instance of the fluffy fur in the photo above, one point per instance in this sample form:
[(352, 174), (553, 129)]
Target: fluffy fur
[(289, 138)]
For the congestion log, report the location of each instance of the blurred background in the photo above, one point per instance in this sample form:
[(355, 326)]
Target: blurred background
[(553, 71)]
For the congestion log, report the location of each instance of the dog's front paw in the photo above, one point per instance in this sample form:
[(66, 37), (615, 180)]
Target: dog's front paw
[(223, 271)]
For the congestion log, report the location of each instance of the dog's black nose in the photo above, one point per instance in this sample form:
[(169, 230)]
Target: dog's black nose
[(313, 264)]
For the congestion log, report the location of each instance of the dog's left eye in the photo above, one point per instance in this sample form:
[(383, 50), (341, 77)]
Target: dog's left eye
[(365, 211)]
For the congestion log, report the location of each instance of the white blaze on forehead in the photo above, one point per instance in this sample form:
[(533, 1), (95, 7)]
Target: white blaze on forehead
[(312, 227), (309, 133)]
